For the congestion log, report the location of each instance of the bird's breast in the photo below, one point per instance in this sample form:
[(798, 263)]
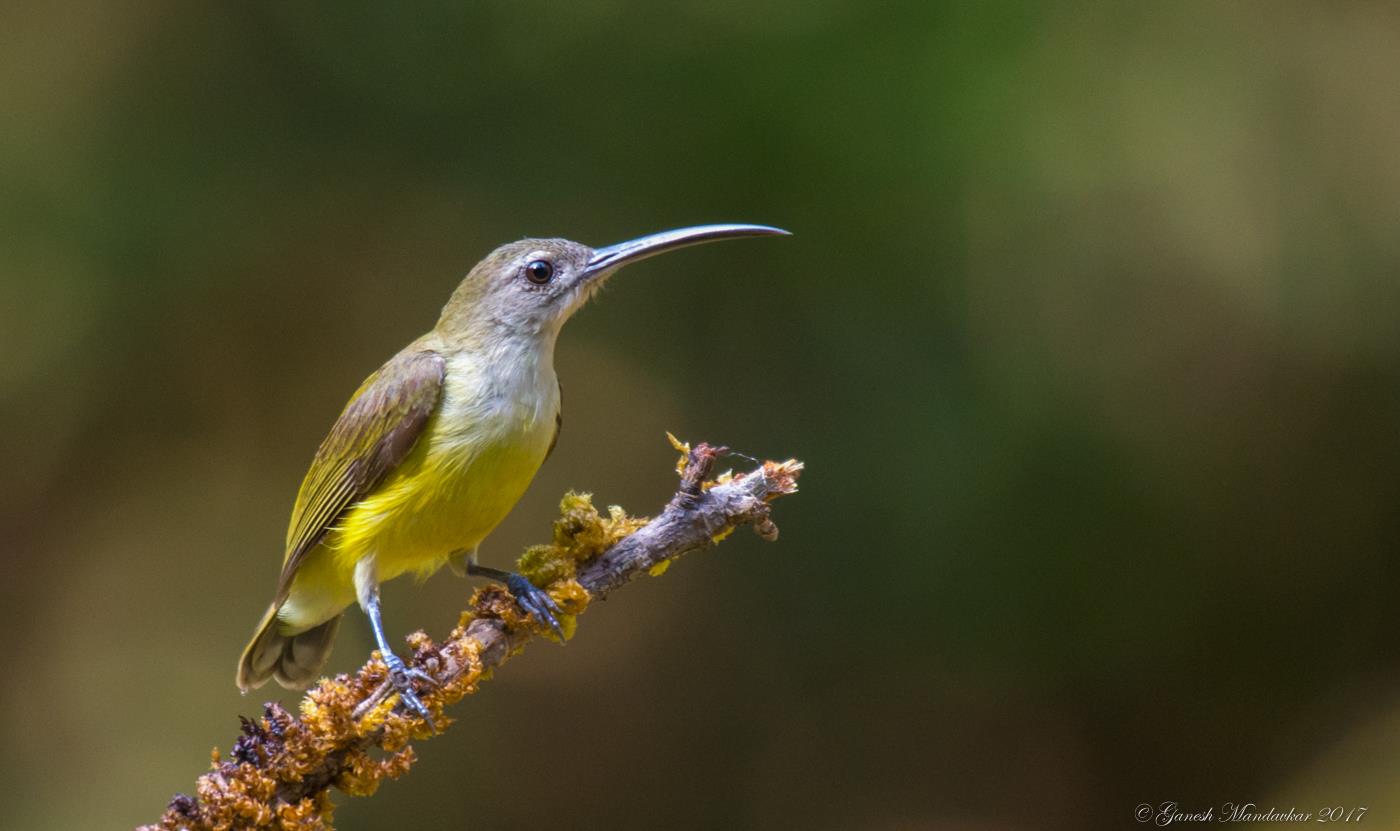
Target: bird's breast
[(478, 454)]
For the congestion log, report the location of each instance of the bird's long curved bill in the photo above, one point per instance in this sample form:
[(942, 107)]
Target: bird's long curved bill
[(624, 253)]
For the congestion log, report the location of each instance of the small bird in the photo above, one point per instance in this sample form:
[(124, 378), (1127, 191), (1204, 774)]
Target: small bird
[(434, 449)]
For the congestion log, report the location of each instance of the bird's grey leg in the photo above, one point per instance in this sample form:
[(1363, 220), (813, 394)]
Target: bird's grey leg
[(534, 600), (401, 676)]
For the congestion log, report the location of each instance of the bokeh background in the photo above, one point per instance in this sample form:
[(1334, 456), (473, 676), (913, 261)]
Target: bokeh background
[(1088, 334)]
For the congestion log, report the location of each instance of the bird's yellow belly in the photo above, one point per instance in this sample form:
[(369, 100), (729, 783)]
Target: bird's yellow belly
[(445, 497)]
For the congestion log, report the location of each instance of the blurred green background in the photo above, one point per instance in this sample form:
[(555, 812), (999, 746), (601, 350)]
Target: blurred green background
[(1088, 334)]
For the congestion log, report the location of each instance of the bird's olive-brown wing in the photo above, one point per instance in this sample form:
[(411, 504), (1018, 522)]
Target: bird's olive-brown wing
[(375, 431)]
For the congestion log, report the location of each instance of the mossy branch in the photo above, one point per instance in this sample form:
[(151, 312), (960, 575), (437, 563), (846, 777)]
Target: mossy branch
[(349, 735)]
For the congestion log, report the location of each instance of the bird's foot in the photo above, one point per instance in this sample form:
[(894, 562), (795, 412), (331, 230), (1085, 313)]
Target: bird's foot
[(535, 601), (401, 678)]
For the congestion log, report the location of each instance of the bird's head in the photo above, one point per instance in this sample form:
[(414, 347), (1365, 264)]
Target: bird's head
[(527, 289)]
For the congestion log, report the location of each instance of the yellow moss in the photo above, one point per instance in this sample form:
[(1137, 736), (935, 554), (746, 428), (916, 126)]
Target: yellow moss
[(325, 711), (236, 796), (362, 774), (579, 528), (684, 448), (467, 654), (572, 597), (580, 534), (722, 479), (358, 778), (659, 569), (373, 720), (544, 564), (420, 642), (717, 538), (398, 729), (310, 814)]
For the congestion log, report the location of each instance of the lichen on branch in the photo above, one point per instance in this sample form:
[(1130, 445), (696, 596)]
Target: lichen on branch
[(349, 733)]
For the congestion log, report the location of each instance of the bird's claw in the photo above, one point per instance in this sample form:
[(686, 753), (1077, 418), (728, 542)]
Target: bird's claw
[(401, 678), (536, 602)]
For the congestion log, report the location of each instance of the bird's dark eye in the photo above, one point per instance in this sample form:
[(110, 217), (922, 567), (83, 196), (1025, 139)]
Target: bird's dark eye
[(539, 272)]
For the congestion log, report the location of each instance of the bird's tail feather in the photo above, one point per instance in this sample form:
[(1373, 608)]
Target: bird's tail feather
[(294, 660)]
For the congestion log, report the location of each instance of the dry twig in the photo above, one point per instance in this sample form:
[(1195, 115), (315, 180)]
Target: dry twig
[(348, 735)]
